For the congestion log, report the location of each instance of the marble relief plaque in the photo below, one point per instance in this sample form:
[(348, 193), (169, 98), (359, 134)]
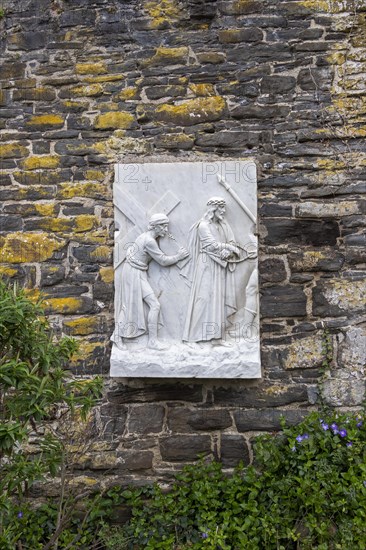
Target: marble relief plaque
[(186, 277)]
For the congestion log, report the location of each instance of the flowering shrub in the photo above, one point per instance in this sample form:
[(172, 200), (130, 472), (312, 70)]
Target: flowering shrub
[(307, 489)]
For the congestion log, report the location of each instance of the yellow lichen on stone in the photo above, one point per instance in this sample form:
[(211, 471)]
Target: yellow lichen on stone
[(108, 121), (93, 90), (82, 326), (87, 190), (336, 58), (63, 305), (304, 353), (347, 295), (104, 78), (202, 89), (162, 12), (128, 93), (170, 56), (85, 222), (46, 209), (41, 161), (107, 274), (91, 68), (331, 165), (82, 481), (74, 104), (182, 141), (108, 106), (28, 247), (7, 271), (127, 144), (192, 111), (46, 120), (94, 175), (329, 6), (12, 150), (86, 349), (102, 253)]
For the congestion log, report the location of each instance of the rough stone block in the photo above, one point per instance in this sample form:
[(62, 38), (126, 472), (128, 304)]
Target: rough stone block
[(304, 353), (268, 396), (326, 259), (334, 297), (184, 447), (277, 84), (283, 301), (267, 419), (272, 270), (328, 209), (338, 392), (234, 36), (52, 274), (10, 223), (153, 393), (184, 420), (192, 111), (135, 461), (304, 232), (234, 449), (146, 419)]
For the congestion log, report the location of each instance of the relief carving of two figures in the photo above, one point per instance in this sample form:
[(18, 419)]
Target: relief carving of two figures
[(210, 272)]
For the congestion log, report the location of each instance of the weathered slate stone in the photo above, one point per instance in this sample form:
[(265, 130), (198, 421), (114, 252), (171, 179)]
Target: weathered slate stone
[(234, 36), (184, 447), (258, 397), (234, 449), (145, 419), (152, 393), (184, 420), (277, 84), (267, 419), (52, 274), (10, 223), (135, 461), (283, 301), (304, 232), (342, 296), (272, 270), (326, 259)]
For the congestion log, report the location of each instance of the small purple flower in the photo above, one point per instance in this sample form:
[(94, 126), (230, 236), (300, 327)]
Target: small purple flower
[(293, 449), (364, 483), (325, 426), (349, 443), (19, 515), (343, 432), (299, 438), (334, 427), (305, 436), (204, 535), (359, 424)]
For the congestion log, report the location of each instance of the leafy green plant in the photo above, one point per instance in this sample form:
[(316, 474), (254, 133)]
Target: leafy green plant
[(307, 489), (35, 389)]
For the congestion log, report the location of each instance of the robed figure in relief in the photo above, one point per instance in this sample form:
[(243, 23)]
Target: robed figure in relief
[(211, 275), (135, 293)]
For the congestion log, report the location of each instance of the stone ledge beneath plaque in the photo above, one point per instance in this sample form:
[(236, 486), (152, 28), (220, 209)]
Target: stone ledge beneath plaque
[(188, 361)]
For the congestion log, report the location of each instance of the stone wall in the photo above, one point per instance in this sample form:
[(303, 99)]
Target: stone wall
[(86, 83)]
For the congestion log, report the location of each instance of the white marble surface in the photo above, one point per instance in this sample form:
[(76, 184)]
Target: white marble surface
[(181, 191)]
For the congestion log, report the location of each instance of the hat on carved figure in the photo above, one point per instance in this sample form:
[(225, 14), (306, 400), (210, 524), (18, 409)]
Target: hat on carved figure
[(158, 219)]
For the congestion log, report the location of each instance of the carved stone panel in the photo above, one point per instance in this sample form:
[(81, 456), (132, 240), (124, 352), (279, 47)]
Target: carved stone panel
[(186, 277)]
